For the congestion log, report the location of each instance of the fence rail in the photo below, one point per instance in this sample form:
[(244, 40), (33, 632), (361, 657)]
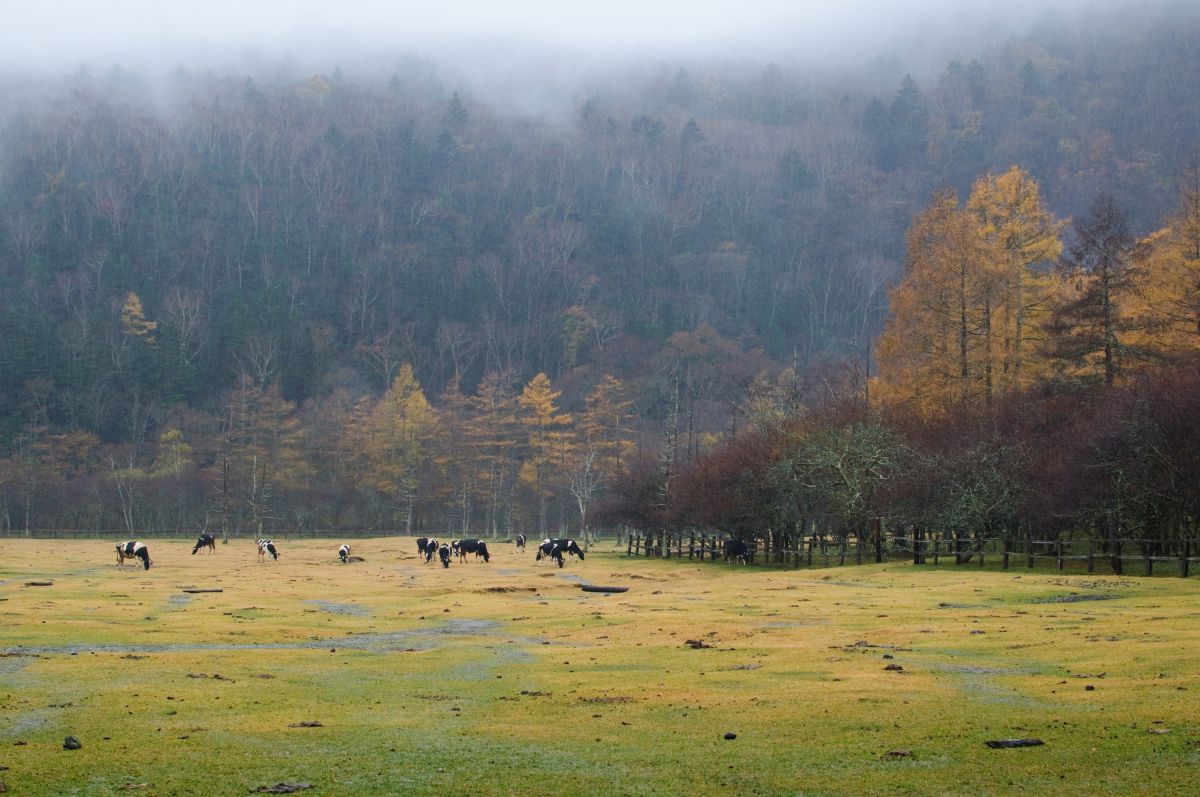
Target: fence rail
[(827, 551)]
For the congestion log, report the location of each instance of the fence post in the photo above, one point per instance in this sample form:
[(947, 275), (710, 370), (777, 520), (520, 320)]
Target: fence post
[(1029, 550), (810, 547), (1091, 555), (981, 544), (691, 546), (1058, 553), (1183, 563), (936, 549), (1004, 546)]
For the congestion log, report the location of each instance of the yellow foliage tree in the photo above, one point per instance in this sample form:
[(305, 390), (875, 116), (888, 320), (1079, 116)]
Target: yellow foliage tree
[(932, 351), (492, 432), (174, 454), (133, 319), (455, 460), (1019, 235), (1171, 287), (262, 450), (603, 447), (549, 441), (399, 434), (971, 313)]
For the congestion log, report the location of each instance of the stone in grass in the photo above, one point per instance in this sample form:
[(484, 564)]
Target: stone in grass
[(730, 736), (893, 668), (306, 724), (898, 754), (71, 743)]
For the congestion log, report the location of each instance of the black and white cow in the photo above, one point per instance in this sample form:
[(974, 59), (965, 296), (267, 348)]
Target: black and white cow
[(444, 554), (737, 551), (569, 547), (521, 543), (550, 549), (428, 547), (477, 547), (344, 553), (206, 541), (130, 549), (267, 547)]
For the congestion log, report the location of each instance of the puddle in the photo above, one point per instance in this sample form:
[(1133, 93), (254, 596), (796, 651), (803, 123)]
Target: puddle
[(417, 639), (179, 601), (14, 662), (352, 609), (1073, 598)]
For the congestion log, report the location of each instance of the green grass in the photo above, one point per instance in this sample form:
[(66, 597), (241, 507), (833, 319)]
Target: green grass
[(505, 678)]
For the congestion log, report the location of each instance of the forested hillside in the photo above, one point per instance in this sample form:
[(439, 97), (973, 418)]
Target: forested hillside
[(375, 299)]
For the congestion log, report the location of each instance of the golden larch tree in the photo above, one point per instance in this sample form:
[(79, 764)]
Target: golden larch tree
[(548, 440), (1021, 239)]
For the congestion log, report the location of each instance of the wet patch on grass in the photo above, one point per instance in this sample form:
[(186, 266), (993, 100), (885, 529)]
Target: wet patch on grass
[(350, 609), (1073, 598), (388, 642), (11, 663), (178, 602)]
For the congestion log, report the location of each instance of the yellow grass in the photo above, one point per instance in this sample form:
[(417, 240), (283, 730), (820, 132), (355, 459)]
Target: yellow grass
[(505, 678)]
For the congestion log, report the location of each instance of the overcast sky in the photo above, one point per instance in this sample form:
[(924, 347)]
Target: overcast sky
[(65, 32)]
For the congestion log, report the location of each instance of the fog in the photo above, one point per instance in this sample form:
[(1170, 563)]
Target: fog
[(534, 56), (63, 33)]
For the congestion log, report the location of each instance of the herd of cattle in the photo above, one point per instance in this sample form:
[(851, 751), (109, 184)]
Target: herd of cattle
[(555, 550)]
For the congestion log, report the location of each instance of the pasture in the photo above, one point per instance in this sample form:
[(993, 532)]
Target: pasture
[(390, 676)]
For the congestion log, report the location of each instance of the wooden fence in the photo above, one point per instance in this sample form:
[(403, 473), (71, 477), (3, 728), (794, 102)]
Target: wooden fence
[(1122, 556)]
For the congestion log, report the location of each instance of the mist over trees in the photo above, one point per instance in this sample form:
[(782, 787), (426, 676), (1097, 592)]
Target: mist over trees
[(336, 299)]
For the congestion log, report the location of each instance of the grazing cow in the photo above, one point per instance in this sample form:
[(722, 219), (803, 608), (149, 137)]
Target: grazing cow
[(344, 553), (477, 547), (569, 547), (521, 543), (737, 550), (429, 549), (267, 547), (444, 554), (421, 541), (550, 549), (130, 549), (206, 541)]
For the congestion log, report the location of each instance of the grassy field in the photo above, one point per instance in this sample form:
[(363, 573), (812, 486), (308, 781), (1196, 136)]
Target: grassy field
[(507, 679)]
